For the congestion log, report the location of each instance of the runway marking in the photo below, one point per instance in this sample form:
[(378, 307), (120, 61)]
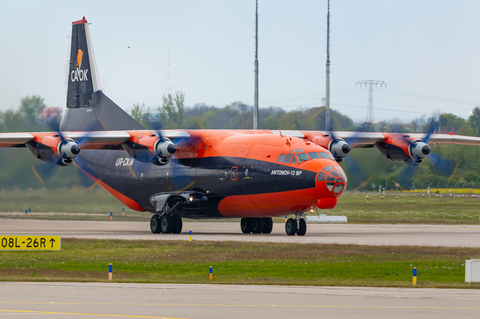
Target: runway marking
[(86, 314), (217, 305)]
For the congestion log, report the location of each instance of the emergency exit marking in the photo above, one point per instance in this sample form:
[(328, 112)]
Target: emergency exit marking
[(30, 242)]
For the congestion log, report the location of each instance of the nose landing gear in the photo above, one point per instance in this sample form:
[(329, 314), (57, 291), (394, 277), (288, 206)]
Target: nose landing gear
[(296, 226)]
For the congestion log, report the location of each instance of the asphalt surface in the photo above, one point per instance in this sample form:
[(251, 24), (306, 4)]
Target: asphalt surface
[(424, 235), (99, 300)]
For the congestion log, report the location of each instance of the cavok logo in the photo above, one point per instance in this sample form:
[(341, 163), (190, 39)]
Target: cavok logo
[(78, 74)]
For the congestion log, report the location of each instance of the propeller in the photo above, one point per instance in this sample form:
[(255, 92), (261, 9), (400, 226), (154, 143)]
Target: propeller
[(419, 149), (67, 150)]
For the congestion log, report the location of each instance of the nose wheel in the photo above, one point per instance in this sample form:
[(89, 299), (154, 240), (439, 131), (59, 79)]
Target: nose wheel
[(296, 226)]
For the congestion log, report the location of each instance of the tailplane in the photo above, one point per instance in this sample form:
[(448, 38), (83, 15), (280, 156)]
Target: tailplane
[(87, 107)]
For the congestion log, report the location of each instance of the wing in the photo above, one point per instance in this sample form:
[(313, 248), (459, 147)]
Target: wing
[(61, 148), (397, 147)]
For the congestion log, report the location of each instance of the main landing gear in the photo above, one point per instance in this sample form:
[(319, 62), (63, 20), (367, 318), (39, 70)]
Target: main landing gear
[(256, 225), (296, 226), (166, 224)]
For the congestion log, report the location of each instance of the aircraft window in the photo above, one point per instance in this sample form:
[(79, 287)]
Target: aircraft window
[(280, 158), (338, 188), (330, 156), (313, 155), (330, 185), (330, 178), (300, 150), (341, 174), (288, 158), (321, 176), (294, 150), (294, 160), (327, 169), (340, 180), (335, 173), (302, 157), (323, 154)]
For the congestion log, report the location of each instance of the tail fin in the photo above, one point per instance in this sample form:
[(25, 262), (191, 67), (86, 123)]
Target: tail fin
[(87, 107)]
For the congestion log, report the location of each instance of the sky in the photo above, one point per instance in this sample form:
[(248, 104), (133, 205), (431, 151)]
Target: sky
[(427, 52)]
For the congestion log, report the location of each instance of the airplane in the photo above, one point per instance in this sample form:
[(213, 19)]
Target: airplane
[(173, 174)]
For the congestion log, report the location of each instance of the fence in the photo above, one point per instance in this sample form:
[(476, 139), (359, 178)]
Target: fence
[(427, 214)]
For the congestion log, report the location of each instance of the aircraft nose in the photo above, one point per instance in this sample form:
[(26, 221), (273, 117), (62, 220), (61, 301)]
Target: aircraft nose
[(331, 180)]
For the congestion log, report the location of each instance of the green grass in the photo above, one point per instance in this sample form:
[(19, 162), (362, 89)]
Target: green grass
[(241, 263), (81, 204), (409, 208)]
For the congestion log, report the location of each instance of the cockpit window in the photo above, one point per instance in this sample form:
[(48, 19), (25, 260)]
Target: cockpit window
[(280, 158), (323, 154), (338, 188), (300, 150), (321, 176), (294, 160), (293, 151), (330, 156), (313, 155), (302, 157), (288, 158), (327, 169)]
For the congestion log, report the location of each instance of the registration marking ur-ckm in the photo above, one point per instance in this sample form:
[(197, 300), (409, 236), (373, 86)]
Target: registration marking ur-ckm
[(12, 242)]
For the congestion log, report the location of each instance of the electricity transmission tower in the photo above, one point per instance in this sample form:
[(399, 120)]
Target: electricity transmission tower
[(370, 84)]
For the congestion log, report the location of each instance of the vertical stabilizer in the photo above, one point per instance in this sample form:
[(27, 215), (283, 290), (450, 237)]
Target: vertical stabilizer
[(83, 78), (87, 107)]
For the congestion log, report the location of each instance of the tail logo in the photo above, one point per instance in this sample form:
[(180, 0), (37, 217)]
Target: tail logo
[(78, 74)]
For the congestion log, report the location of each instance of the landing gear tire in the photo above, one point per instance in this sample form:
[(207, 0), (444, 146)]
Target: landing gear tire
[(246, 225), (303, 228), (155, 224), (166, 224), (257, 225), (291, 227), (177, 224), (267, 225)]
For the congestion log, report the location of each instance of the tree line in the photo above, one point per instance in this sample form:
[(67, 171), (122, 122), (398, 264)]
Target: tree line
[(370, 171)]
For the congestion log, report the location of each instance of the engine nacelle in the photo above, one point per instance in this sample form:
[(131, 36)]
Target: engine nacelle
[(150, 149), (339, 148), (400, 150), (66, 150)]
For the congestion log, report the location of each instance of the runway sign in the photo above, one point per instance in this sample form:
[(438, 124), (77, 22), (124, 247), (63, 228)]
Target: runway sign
[(30, 242)]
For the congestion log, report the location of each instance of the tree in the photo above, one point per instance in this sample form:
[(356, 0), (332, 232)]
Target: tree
[(141, 114), (172, 110), (474, 120)]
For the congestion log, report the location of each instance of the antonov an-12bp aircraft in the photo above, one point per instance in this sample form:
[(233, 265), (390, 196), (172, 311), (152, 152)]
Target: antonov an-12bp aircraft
[(248, 174)]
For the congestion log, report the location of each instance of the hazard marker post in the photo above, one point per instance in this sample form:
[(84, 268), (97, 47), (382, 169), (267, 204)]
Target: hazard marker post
[(414, 276), (110, 272)]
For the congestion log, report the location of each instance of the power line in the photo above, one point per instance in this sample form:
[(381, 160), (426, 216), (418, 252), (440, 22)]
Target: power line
[(154, 62)]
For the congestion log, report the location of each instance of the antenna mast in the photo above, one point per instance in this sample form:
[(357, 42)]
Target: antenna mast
[(327, 94), (255, 106)]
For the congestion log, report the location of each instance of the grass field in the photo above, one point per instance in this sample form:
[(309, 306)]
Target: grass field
[(96, 204), (240, 263)]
